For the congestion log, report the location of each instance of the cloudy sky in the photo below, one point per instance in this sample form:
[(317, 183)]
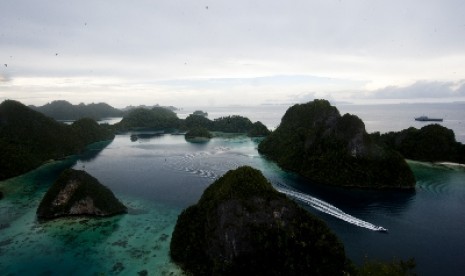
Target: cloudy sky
[(196, 52)]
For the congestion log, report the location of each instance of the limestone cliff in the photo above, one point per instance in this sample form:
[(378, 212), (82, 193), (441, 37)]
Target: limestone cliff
[(243, 226), (315, 141), (78, 193)]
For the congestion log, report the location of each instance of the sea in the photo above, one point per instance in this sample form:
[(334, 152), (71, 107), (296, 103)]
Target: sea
[(157, 176)]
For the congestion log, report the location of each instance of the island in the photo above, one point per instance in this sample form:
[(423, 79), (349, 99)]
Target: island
[(76, 193), (28, 138), (242, 226), (200, 113), (65, 111), (316, 142), (198, 135), (431, 143), (159, 118)]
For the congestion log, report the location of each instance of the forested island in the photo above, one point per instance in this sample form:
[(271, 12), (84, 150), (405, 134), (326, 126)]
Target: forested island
[(315, 141), (242, 225), (431, 143), (159, 118), (198, 134), (28, 138), (65, 111)]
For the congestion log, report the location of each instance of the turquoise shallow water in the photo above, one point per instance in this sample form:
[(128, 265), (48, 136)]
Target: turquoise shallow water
[(158, 176)]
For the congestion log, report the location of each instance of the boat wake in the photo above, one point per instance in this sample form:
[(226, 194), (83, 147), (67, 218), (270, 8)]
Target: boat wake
[(204, 164), (329, 209)]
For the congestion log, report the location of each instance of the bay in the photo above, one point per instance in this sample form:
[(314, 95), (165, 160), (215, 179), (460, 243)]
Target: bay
[(159, 176)]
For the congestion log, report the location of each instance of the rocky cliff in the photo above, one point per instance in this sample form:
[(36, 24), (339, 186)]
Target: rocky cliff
[(242, 225), (315, 141), (78, 193)]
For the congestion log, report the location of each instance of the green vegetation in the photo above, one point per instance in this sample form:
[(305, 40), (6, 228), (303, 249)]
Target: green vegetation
[(157, 118), (258, 130), (229, 124), (29, 138), (63, 110), (431, 143), (160, 118), (198, 132), (232, 124), (194, 121), (78, 193), (241, 225), (200, 113), (315, 141), (394, 268)]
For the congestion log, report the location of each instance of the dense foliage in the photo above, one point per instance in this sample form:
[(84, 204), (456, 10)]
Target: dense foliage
[(200, 113), (242, 226), (432, 143), (393, 268), (230, 124), (258, 130), (315, 141), (194, 121), (198, 132), (29, 138), (63, 110), (157, 118), (71, 189)]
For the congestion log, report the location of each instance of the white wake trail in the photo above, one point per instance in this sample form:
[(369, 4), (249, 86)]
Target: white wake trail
[(330, 209)]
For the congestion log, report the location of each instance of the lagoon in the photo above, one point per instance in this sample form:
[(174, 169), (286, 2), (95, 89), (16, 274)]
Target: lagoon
[(160, 175)]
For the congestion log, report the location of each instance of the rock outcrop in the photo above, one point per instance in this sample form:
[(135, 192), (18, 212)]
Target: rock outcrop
[(243, 226), (315, 141), (76, 193)]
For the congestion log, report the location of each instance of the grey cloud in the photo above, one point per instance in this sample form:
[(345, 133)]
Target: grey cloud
[(421, 90)]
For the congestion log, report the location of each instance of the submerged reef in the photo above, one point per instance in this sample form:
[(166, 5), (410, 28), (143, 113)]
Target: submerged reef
[(242, 225), (76, 193)]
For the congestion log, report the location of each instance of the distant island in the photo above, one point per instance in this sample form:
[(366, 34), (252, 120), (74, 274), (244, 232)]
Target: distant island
[(29, 138), (315, 141), (200, 113), (65, 111), (198, 134), (431, 143), (243, 226), (159, 118), (76, 193)]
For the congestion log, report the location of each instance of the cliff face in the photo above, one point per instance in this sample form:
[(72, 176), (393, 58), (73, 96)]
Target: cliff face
[(315, 141), (78, 193), (241, 225)]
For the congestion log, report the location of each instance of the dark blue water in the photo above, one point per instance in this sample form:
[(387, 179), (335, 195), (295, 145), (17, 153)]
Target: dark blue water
[(159, 176)]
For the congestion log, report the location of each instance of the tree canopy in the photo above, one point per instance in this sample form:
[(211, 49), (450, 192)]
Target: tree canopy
[(29, 138), (315, 141)]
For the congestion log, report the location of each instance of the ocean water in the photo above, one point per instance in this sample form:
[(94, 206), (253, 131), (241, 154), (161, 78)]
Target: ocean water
[(158, 176)]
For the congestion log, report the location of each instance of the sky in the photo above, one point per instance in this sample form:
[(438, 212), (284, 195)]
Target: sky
[(219, 53)]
